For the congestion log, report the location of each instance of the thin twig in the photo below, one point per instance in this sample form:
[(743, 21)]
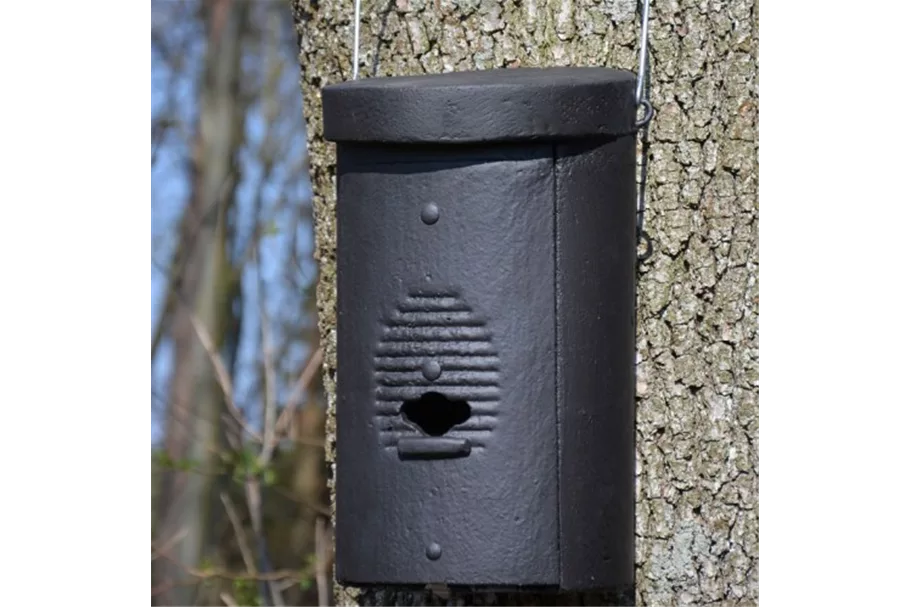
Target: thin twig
[(308, 442), (316, 507), (269, 404), (321, 546), (170, 543), (283, 586), (273, 576), (217, 573), (245, 552), (309, 372), (228, 600), (252, 486), (221, 374), (232, 433), (253, 492)]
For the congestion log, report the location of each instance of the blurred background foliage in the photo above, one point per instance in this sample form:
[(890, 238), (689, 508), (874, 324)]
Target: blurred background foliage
[(239, 499)]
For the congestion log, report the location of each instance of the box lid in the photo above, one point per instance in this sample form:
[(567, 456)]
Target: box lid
[(513, 104)]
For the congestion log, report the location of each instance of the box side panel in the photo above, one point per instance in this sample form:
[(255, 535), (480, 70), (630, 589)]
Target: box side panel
[(595, 278), (446, 301)]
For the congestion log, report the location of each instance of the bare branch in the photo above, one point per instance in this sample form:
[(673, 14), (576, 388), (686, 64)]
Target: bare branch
[(245, 552), (279, 575), (252, 487), (269, 371), (232, 432), (221, 374), (306, 503), (321, 548), (310, 371), (228, 600), (309, 442), (170, 543), (208, 574), (254, 504), (269, 405)]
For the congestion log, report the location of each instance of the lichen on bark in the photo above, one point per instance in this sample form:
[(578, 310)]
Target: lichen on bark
[(697, 524)]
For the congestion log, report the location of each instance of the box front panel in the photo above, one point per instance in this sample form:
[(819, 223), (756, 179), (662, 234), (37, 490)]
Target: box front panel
[(447, 438)]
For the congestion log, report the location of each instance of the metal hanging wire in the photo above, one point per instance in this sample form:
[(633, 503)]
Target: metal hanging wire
[(642, 125), (356, 59), (640, 78), (643, 52)]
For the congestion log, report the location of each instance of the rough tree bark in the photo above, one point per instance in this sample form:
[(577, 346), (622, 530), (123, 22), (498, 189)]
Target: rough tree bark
[(698, 413)]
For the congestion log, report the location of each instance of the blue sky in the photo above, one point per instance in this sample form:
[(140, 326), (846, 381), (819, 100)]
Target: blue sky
[(170, 191)]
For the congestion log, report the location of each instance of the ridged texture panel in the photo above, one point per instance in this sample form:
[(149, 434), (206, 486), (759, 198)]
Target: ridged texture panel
[(436, 326)]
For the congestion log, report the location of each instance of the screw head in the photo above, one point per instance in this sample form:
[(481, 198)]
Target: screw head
[(430, 213), (434, 551), (431, 370)]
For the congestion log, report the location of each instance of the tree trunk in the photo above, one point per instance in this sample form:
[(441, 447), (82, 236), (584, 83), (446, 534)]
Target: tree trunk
[(209, 286), (698, 303)]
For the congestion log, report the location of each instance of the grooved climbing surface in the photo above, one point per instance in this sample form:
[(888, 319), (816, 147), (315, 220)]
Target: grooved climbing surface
[(439, 326), (698, 387)]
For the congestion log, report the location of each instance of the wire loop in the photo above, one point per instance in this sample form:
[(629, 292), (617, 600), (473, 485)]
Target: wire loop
[(649, 114)]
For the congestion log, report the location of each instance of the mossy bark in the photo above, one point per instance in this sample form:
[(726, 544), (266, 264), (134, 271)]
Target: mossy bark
[(698, 297)]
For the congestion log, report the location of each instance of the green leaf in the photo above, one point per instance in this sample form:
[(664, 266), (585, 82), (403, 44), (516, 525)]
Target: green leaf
[(163, 459), (186, 464)]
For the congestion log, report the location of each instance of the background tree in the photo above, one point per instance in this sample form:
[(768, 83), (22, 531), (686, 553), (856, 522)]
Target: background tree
[(697, 422), (240, 505)]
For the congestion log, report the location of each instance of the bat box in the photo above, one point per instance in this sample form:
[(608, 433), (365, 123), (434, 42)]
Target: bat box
[(486, 328)]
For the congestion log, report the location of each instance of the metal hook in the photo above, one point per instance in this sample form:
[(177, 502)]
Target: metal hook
[(649, 248), (649, 114), (641, 101)]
